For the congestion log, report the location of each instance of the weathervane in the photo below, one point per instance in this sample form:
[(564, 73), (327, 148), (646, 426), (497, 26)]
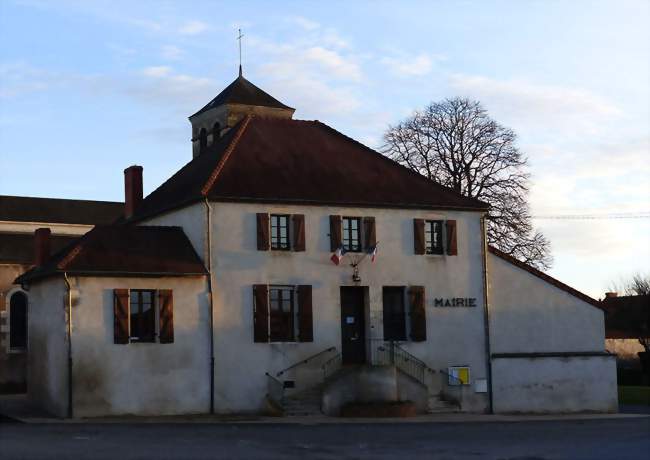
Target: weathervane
[(239, 37)]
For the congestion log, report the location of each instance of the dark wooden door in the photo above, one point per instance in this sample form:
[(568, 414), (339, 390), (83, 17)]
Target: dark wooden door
[(353, 325)]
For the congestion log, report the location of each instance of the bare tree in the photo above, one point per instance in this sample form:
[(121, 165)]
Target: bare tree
[(457, 144)]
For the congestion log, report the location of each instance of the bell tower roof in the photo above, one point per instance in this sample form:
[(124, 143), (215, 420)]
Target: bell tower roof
[(243, 92)]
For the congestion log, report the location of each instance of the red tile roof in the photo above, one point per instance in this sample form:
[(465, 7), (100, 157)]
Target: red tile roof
[(549, 279), (124, 250), (18, 248), (299, 162)]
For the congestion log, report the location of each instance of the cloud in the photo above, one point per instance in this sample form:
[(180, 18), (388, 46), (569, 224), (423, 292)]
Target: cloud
[(19, 78), (526, 105), (171, 52), (193, 27), (156, 71), (333, 63), (411, 66), (303, 23)]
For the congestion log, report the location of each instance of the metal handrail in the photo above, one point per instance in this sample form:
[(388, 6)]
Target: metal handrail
[(305, 361), (331, 365), (275, 389), (415, 358), (444, 372)]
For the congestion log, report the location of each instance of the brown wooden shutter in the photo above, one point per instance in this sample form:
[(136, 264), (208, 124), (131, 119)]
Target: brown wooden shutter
[(335, 232), (418, 314), (120, 316), (261, 313), (452, 246), (298, 232), (418, 236), (166, 315), (370, 233), (263, 242), (305, 316)]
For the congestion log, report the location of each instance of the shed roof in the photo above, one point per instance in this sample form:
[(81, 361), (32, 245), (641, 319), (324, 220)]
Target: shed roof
[(124, 250)]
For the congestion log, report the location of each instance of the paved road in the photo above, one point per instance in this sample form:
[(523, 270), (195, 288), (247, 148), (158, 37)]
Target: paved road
[(586, 439)]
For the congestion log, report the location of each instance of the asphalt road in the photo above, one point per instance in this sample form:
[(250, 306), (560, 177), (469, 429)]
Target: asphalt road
[(619, 439)]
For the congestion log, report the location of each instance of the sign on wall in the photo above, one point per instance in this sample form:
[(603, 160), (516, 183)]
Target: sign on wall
[(455, 302)]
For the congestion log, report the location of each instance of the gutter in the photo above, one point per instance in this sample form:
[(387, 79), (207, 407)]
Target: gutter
[(486, 311), (208, 263), (69, 308)]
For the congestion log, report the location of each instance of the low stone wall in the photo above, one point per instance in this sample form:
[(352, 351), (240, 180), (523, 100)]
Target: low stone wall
[(554, 383)]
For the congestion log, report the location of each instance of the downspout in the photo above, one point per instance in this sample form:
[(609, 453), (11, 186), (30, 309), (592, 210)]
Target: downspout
[(69, 308), (486, 311), (208, 259)]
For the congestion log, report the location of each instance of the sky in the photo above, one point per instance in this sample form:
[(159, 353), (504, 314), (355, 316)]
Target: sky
[(88, 88)]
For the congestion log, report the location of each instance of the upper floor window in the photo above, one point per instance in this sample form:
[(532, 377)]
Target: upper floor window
[(352, 234), (433, 236), (280, 232)]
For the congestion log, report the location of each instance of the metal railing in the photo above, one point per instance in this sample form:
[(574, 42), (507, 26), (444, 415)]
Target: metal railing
[(274, 389), (331, 366), (305, 361), (385, 353)]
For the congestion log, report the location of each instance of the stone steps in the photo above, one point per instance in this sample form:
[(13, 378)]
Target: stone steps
[(307, 402)]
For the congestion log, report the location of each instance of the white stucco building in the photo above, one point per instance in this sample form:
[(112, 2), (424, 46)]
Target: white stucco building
[(288, 267)]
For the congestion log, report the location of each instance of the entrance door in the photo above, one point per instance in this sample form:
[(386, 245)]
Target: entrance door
[(353, 325)]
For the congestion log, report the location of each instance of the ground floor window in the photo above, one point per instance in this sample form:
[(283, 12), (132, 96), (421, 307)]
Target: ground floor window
[(394, 313), (18, 321), (282, 314), (142, 315)]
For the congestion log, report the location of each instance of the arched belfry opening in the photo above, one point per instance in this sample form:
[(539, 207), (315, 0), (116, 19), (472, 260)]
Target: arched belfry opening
[(236, 101), (203, 140)]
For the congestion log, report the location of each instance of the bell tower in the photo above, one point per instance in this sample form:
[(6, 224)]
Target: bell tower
[(238, 99)]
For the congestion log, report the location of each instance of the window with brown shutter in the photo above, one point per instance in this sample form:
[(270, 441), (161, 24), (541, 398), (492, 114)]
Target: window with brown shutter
[(418, 236), (394, 313), (305, 315), (298, 232), (166, 315), (263, 241), (335, 232), (121, 316), (261, 313), (418, 314), (369, 233), (452, 245)]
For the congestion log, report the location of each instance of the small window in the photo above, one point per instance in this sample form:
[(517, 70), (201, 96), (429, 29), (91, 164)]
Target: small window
[(352, 234), (142, 316), (433, 236), (282, 314), (394, 313), (18, 321), (280, 232)]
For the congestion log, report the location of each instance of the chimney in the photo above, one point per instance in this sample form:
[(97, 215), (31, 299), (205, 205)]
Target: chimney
[(132, 190), (609, 295), (41, 245)]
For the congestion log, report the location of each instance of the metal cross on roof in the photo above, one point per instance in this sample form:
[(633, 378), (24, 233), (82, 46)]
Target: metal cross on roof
[(239, 37)]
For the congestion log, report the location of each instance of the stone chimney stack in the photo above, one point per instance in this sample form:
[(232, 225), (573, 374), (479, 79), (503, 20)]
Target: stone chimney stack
[(609, 295), (132, 190), (41, 245)]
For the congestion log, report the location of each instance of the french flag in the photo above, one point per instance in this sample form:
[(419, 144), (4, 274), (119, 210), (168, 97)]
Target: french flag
[(338, 255), (372, 252)]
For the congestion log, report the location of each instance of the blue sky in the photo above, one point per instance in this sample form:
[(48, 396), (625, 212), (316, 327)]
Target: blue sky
[(90, 87)]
